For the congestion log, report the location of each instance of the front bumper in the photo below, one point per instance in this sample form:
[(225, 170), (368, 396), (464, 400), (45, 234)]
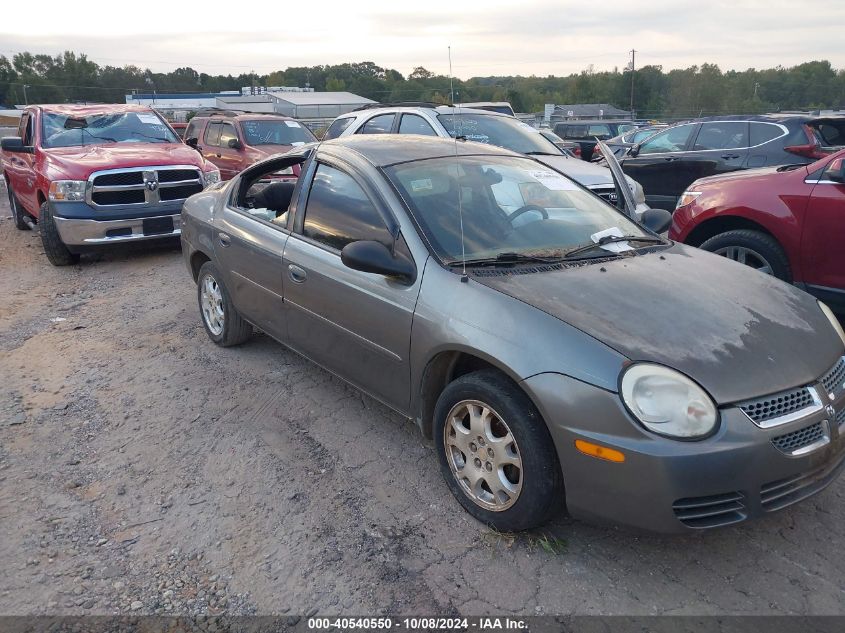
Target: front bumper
[(674, 486), (76, 232)]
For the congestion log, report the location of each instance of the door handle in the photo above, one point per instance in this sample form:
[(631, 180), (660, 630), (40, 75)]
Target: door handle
[(297, 275), (730, 156), (225, 240), (670, 159), (218, 156)]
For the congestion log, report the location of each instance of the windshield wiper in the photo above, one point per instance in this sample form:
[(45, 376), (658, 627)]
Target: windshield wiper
[(612, 239), (539, 153), (504, 259)]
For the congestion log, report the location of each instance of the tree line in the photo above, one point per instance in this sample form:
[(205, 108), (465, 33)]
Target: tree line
[(678, 93)]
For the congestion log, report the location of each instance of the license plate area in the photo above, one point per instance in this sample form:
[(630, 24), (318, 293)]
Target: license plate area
[(157, 226)]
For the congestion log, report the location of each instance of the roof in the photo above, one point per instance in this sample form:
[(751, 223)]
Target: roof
[(320, 98), (440, 109), (72, 109), (389, 149)]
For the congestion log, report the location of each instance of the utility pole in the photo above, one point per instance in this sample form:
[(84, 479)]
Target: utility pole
[(633, 69), (25, 99)]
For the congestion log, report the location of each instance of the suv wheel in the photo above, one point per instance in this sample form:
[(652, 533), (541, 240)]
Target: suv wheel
[(496, 453), (54, 248), (222, 322), (17, 211), (752, 248)]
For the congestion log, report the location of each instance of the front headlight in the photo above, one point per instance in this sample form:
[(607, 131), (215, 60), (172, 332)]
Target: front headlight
[(667, 402), (67, 190), (686, 198), (212, 177), (833, 320)]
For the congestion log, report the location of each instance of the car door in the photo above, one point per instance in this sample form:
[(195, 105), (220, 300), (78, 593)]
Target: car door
[(822, 250), (211, 144), (229, 159), (249, 250), (20, 166), (355, 324), (655, 164), (719, 147)]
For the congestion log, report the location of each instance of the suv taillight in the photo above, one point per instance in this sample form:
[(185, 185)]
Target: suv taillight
[(813, 149)]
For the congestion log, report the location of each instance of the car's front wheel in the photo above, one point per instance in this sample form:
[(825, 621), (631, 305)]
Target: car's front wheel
[(752, 248), (496, 453), (222, 322), (18, 214)]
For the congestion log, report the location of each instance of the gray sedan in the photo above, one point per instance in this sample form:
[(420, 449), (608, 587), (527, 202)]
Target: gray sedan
[(558, 353)]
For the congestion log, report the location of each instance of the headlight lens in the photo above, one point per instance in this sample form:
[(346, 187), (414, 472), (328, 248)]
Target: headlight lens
[(686, 198), (67, 190), (833, 321), (667, 402), (212, 177)]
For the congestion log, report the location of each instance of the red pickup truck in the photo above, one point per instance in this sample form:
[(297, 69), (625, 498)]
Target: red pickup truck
[(98, 174)]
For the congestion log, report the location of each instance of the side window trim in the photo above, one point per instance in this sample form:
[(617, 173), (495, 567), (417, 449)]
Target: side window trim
[(784, 131)]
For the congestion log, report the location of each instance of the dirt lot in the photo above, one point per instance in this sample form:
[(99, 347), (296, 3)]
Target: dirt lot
[(143, 469)]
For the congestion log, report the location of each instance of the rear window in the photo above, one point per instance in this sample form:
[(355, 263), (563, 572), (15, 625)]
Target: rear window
[(830, 133)]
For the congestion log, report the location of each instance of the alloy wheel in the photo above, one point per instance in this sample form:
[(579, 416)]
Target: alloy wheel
[(483, 455), (211, 299), (747, 256)]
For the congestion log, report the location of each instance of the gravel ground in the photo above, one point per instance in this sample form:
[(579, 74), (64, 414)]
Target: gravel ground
[(144, 470)]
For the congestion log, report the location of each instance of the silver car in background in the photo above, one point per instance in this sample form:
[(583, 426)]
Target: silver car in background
[(559, 354)]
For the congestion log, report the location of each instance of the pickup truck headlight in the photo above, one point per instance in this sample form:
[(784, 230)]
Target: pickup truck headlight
[(667, 402), (833, 321), (67, 190), (211, 177)]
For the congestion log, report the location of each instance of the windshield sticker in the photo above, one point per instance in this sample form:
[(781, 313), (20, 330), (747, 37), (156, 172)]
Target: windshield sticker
[(424, 184), (553, 181), (292, 123), (148, 118), (298, 143), (613, 247)]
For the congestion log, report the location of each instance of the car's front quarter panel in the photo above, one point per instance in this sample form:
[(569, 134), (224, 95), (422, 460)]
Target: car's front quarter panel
[(198, 222)]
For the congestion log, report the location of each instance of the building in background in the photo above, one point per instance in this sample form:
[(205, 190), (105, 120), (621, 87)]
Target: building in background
[(588, 111)]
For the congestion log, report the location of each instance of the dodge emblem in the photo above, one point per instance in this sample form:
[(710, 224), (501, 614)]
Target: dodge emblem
[(831, 412)]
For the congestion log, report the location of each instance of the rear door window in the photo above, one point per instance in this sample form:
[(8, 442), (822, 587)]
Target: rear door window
[(674, 139), (212, 134), (764, 132), (415, 124), (381, 124), (722, 135)]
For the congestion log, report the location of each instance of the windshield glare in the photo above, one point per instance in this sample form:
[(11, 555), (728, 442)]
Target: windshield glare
[(98, 129), (503, 131), (508, 205), (276, 132)]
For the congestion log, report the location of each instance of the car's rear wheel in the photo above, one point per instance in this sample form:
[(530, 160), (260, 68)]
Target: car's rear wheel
[(222, 322), (752, 248), (54, 248), (18, 214), (496, 453)]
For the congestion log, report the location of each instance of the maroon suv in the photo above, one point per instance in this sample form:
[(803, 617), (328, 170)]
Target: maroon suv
[(787, 221), (233, 141)]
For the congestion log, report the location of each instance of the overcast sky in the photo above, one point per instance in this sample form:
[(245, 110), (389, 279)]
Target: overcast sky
[(527, 37)]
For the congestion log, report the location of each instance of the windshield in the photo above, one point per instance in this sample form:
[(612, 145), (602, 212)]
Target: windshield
[(276, 132), (508, 205), (505, 132), (61, 130)]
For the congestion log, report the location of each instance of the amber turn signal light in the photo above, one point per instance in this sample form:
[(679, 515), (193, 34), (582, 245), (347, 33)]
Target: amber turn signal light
[(602, 452)]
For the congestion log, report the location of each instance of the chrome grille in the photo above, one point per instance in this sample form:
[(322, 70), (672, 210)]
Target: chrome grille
[(834, 380), (712, 511), (147, 186), (840, 417), (803, 440), (778, 405)]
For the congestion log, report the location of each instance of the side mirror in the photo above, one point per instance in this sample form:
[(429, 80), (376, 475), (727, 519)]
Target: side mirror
[(15, 144), (235, 144), (835, 172), (192, 141), (634, 151), (656, 220), (374, 257)]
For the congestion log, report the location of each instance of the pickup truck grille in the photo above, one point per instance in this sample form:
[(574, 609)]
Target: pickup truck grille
[(146, 186)]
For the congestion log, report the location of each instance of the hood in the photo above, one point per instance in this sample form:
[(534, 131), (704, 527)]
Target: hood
[(747, 175), (269, 150), (77, 163), (738, 333)]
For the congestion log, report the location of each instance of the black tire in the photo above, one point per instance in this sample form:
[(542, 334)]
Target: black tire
[(235, 330), (763, 246), (17, 211), (541, 493), (54, 248)]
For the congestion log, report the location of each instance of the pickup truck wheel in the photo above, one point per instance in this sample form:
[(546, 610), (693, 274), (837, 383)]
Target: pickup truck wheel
[(222, 322), (54, 248), (17, 210), (496, 453), (752, 248)]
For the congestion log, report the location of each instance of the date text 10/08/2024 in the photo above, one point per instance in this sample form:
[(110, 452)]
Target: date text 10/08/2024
[(418, 623)]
